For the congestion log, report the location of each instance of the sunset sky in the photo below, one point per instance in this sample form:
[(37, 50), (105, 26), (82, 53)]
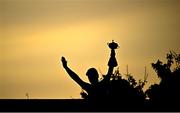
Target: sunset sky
[(34, 34)]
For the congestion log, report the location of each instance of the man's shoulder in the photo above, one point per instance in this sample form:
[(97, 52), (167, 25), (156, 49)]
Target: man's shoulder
[(86, 85), (104, 81)]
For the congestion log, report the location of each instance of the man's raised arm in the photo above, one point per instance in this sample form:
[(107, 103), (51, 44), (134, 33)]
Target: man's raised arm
[(112, 63), (72, 74)]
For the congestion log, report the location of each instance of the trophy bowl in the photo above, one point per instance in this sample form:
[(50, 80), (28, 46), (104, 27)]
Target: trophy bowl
[(113, 45)]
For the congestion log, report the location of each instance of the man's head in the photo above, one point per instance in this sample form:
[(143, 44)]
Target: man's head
[(92, 75)]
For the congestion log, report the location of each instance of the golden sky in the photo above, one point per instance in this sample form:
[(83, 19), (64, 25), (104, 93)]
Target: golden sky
[(34, 34)]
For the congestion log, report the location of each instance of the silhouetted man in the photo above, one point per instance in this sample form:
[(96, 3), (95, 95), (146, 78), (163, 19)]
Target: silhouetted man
[(97, 89)]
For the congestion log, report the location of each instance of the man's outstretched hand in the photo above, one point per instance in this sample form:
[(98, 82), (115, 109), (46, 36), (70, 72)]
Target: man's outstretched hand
[(64, 62)]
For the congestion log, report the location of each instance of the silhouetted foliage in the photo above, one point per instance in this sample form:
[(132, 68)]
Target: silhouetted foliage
[(129, 92), (166, 93)]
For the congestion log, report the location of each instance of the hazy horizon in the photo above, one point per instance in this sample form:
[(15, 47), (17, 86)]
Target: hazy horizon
[(35, 34)]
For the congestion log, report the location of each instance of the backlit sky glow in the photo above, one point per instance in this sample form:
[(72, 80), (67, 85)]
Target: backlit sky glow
[(34, 34)]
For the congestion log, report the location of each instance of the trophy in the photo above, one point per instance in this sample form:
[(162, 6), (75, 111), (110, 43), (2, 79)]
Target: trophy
[(113, 45), (112, 61)]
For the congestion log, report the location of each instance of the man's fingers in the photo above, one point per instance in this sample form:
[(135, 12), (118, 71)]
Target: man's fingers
[(63, 59)]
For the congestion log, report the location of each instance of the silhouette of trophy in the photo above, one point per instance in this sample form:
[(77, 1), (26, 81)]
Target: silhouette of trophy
[(112, 61)]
